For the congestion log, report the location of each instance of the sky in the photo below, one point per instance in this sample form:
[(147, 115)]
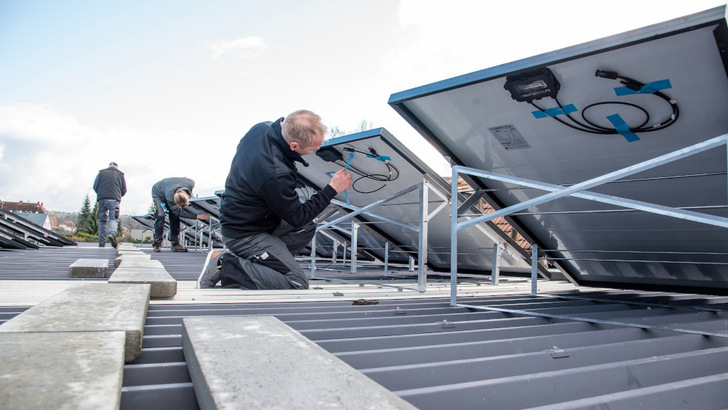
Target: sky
[(168, 87)]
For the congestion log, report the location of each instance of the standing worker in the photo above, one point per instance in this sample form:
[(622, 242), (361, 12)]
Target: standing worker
[(170, 195), (263, 221), (109, 186)]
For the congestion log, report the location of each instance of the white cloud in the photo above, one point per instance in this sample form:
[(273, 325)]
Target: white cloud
[(440, 40), (29, 122), (52, 158), (246, 47)]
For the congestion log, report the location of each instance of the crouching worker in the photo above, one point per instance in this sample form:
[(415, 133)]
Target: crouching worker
[(263, 221), (170, 195)]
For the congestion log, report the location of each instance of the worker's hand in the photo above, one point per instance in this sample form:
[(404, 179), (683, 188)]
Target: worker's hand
[(341, 181)]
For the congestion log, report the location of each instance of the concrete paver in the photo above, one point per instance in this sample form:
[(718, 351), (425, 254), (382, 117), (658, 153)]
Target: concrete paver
[(61, 370), (260, 362), (138, 270), (90, 308), (89, 268)]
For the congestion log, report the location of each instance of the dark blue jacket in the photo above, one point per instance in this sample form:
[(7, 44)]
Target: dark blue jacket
[(260, 189)]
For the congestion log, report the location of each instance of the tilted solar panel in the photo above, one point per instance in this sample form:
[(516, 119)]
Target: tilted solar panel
[(579, 113)]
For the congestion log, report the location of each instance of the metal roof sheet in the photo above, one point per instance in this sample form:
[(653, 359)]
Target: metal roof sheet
[(564, 348)]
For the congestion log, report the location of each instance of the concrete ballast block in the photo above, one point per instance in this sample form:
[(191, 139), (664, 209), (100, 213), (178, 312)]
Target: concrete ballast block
[(89, 268), (260, 362), (140, 271), (131, 256), (61, 370), (90, 308)]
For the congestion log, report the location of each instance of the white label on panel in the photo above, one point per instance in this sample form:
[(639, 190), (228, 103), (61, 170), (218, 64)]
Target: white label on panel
[(509, 137)]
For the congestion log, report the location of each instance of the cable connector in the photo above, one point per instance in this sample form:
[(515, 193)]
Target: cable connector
[(606, 74), (632, 84)]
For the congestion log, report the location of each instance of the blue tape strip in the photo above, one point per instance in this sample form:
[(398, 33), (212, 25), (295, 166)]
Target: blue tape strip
[(552, 112), (382, 158), (623, 128), (649, 88)]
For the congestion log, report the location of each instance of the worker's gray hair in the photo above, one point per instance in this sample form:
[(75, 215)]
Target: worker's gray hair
[(302, 126)]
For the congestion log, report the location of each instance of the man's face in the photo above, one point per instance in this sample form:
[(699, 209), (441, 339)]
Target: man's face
[(305, 150)]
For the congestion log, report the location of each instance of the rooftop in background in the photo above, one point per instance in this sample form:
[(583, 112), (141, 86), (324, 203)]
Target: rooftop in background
[(21, 206)]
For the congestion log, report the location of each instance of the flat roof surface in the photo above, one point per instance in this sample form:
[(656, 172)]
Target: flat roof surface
[(569, 346)]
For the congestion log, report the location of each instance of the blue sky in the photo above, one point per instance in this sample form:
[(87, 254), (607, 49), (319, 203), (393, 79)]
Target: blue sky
[(167, 88)]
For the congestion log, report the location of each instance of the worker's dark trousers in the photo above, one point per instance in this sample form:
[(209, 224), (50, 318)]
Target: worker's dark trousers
[(269, 258), (159, 219)]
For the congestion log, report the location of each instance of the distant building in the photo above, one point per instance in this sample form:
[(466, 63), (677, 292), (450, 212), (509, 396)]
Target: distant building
[(34, 212), (66, 227), (37, 218), (141, 234), (27, 207)]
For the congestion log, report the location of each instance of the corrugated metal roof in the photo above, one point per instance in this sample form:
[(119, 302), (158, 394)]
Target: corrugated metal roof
[(437, 356), (582, 348)]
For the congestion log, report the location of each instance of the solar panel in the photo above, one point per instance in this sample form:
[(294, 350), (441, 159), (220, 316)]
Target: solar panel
[(382, 168), (582, 112), (207, 204), (20, 232)]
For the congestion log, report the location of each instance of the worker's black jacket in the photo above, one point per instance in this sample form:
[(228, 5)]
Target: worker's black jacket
[(110, 184), (260, 188)]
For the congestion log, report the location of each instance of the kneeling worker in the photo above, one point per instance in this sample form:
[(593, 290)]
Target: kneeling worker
[(263, 221)]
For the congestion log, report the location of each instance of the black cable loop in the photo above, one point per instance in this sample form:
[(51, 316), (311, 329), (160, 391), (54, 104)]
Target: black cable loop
[(593, 128), (374, 177)]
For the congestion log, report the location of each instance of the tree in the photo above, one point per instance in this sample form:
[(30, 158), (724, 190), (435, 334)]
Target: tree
[(92, 221), (83, 215), (119, 229), (336, 132), (365, 125)]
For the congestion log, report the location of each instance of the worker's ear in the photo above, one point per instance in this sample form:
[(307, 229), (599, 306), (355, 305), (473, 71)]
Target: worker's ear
[(294, 145)]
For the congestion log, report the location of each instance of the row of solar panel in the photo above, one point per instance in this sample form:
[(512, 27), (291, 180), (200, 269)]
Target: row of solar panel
[(199, 223), (17, 232)]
